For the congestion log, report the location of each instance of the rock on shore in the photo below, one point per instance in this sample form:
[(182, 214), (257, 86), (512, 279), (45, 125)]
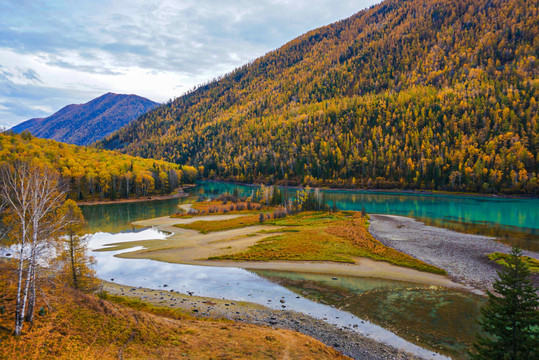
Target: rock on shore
[(344, 340)]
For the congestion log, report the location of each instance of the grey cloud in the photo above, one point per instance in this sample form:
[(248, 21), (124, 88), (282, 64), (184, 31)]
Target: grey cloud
[(157, 35), (188, 37), (18, 102), (31, 75), (84, 68)]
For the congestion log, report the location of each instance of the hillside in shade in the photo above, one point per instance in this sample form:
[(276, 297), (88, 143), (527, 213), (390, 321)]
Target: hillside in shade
[(438, 94), (83, 124)]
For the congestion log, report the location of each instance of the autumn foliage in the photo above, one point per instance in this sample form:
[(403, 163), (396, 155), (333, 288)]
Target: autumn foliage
[(414, 94), (74, 325), (315, 236), (97, 174)]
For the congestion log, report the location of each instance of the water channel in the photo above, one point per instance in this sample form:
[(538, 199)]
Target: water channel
[(435, 318)]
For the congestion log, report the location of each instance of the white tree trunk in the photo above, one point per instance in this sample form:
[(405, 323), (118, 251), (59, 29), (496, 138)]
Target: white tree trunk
[(31, 193)]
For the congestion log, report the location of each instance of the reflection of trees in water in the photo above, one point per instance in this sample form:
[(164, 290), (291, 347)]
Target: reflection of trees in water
[(431, 317), (515, 221), (118, 217)]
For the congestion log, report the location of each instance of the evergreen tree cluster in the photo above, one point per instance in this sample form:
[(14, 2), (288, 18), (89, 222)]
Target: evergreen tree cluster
[(510, 319)]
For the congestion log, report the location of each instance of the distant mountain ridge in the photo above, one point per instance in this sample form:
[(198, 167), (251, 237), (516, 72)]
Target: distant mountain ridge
[(83, 124)]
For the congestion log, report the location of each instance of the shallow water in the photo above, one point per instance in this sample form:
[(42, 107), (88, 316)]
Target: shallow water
[(227, 283), (513, 220), (434, 317)]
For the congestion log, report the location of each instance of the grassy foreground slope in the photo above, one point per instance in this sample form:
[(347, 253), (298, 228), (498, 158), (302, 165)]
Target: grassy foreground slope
[(80, 326), (438, 94)]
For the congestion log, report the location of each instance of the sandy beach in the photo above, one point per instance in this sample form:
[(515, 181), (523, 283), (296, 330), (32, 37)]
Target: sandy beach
[(190, 247)]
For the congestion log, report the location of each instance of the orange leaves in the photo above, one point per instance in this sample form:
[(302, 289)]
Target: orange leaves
[(91, 171), (355, 231)]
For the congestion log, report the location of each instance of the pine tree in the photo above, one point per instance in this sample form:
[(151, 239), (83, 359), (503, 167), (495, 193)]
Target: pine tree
[(510, 319)]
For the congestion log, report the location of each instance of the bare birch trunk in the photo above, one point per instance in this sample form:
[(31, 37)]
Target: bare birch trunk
[(73, 267), (31, 297), (32, 194)]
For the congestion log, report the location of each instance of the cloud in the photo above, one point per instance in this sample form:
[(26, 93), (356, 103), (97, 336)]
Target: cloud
[(31, 75), (156, 48)]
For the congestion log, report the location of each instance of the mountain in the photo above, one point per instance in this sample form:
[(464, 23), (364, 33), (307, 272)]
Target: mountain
[(83, 124), (438, 94)]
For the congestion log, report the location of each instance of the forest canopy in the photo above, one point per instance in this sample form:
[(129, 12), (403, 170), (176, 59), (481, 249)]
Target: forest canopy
[(415, 94), (92, 173)]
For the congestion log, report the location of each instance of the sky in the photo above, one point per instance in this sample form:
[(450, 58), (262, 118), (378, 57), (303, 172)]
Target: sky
[(54, 53)]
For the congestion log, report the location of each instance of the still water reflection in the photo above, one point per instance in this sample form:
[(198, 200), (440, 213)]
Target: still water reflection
[(435, 317), (227, 283), (513, 220), (114, 218)]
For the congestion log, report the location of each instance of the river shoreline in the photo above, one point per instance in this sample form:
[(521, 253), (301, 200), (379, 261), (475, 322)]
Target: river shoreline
[(343, 340), (186, 246), (463, 256), (389, 191), (177, 195), (192, 248)]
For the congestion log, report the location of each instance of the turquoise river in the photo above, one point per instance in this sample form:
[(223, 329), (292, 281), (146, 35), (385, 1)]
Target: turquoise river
[(438, 319)]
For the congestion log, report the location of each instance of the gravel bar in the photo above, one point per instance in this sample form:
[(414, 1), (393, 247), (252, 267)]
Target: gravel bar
[(463, 256)]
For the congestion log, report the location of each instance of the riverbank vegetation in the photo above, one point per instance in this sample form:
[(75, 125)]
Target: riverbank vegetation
[(43, 231), (44, 312), (315, 236), (503, 259), (72, 324), (205, 227), (97, 174), (309, 229)]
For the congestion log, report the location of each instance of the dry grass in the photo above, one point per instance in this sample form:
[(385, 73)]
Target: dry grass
[(335, 237), (205, 227), (217, 207), (80, 326), (355, 231)]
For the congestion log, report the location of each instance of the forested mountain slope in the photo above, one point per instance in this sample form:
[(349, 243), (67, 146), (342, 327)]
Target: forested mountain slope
[(97, 174), (437, 94), (83, 124)]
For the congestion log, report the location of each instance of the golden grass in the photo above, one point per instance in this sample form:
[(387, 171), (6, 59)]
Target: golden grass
[(335, 237), (501, 258), (80, 326), (355, 230), (220, 225)]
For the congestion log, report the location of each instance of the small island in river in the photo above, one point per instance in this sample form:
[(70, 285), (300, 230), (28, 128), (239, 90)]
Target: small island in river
[(333, 243)]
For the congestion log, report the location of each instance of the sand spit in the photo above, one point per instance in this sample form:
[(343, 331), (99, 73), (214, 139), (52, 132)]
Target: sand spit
[(190, 247)]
